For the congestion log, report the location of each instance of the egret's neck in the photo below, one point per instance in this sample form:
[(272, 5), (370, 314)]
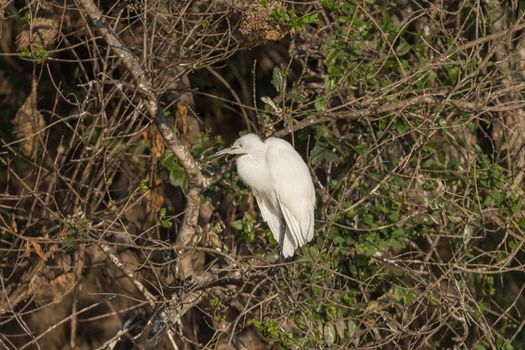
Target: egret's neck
[(252, 170)]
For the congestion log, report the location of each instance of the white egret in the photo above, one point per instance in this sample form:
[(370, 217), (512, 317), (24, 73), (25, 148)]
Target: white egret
[(281, 183)]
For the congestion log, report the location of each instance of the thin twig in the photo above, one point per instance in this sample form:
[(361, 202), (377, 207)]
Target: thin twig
[(74, 307)]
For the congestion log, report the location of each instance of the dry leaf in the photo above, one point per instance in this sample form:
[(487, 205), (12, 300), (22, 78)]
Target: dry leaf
[(3, 5), (444, 217), (183, 113), (154, 199), (28, 123), (41, 32), (14, 225), (157, 142), (38, 250), (27, 251)]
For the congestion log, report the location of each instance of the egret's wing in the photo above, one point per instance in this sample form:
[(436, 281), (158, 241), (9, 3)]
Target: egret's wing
[(292, 225), (294, 189), (275, 222), (269, 215), (301, 224)]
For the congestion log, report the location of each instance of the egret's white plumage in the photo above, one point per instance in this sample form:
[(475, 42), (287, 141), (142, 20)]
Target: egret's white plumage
[(281, 183)]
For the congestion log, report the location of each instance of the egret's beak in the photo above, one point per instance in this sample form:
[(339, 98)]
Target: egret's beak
[(230, 150)]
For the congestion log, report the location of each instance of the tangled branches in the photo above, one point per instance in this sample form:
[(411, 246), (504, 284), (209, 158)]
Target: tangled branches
[(117, 230)]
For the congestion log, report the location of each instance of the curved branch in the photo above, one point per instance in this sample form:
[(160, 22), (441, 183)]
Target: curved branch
[(197, 181)]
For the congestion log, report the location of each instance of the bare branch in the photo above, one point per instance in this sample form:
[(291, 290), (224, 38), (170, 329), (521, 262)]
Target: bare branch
[(196, 180)]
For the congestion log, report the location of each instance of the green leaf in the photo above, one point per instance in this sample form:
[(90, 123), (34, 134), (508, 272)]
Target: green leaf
[(312, 18), (452, 72), (166, 223), (311, 252), (177, 176), (401, 127), (403, 47), (360, 149), (162, 219), (321, 104), (521, 223), (323, 151), (498, 197), (398, 233), (397, 243), (237, 225)]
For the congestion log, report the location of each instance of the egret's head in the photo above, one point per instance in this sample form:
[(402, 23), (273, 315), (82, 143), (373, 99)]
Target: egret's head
[(243, 145)]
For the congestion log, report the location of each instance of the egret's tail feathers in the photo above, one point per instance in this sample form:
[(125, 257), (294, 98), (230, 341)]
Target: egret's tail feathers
[(287, 248), (310, 227)]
